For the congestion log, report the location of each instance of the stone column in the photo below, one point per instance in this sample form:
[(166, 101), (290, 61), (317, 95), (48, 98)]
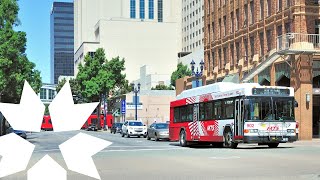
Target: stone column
[(301, 81)]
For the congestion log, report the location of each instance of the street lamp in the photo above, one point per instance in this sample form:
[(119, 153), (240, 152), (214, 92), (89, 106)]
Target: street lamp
[(136, 90), (197, 74)]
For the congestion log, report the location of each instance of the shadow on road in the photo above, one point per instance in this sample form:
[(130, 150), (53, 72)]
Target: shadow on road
[(246, 147)]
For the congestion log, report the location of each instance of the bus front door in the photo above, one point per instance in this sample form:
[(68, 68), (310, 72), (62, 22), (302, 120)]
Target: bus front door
[(238, 120), (196, 123)]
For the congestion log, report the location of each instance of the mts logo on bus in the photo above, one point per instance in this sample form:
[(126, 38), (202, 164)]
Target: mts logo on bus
[(273, 128)]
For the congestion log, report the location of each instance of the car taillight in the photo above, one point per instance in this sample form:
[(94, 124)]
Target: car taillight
[(297, 125)]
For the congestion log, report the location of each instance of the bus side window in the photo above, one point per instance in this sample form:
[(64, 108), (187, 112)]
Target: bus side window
[(202, 111), (176, 114), (217, 110), (190, 113)]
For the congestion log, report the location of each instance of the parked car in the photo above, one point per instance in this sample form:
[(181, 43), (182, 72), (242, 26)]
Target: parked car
[(158, 131), (116, 128), (92, 127), (134, 128), (20, 133)]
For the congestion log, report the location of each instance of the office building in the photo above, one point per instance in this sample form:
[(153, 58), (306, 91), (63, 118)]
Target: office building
[(144, 32), (62, 41)]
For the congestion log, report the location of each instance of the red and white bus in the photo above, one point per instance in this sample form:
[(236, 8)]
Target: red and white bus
[(228, 113)]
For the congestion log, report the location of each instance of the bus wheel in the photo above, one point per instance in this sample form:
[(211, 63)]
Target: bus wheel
[(273, 145), (183, 139), (228, 140)]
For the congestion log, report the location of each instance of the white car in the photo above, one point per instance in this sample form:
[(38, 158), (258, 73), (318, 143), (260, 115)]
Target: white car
[(134, 128)]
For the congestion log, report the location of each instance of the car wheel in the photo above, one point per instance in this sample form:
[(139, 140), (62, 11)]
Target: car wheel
[(228, 140), (273, 145), (148, 138), (144, 136), (122, 134), (156, 137), (128, 134), (183, 139)]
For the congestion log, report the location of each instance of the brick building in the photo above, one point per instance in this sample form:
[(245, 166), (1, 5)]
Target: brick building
[(271, 42)]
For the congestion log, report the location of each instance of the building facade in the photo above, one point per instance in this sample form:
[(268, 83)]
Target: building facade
[(192, 25), (62, 40), (138, 31), (153, 105), (268, 42), (150, 79)]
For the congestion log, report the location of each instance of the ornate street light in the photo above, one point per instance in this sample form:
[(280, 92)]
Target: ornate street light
[(197, 74), (136, 90)]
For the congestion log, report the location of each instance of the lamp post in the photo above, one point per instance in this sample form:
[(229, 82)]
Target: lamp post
[(197, 74), (136, 90)]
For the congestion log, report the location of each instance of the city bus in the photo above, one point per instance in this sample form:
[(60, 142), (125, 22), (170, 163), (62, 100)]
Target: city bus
[(227, 114)]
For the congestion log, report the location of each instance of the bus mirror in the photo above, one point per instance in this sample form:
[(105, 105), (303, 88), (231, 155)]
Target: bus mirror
[(296, 104)]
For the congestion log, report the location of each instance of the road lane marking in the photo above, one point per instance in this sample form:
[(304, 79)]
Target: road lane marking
[(223, 158), (134, 150), (137, 146), (47, 150)]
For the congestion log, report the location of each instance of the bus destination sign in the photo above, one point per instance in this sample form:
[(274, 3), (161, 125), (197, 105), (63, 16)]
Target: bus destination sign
[(270, 91)]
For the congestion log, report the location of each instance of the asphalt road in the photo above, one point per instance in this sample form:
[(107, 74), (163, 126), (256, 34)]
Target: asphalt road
[(139, 159)]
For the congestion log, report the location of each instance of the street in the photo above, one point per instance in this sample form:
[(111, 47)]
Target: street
[(137, 158)]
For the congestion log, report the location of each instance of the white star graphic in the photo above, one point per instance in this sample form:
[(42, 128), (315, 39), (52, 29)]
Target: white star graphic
[(28, 114), (67, 116)]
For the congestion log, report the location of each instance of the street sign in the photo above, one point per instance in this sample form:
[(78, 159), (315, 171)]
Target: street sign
[(123, 106)]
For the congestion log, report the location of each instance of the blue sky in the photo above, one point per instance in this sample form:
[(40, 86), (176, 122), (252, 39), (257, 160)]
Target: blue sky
[(35, 21)]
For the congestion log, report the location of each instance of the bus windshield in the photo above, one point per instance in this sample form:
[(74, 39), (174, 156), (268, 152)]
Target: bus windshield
[(270, 108)]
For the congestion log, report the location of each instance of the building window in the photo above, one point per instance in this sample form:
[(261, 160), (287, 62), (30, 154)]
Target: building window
[(238, 49), (252, 12), (252, 46), (232, 23), (209, 33), (279, 5), (160, 10), (220, 28), (237, 19), (245, 15), (133, 9), (287, 3), (212, 57), (261, 9), (224, 25), (213, 37), (232, 55), (151, 9), (43, 93), (142, 11), (220, 59), (209, 62), (261, 39), (269, 7), (224, 56), (269, 39), (245, 42)]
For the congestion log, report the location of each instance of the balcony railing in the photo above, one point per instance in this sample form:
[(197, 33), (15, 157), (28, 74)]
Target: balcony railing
[(298, 42)]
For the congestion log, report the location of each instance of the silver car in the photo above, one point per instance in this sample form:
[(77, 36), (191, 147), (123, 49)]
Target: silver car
[(158, 131)]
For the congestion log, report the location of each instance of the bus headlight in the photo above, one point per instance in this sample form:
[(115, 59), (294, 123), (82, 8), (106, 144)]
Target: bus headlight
[(290, 130), (253, 130)]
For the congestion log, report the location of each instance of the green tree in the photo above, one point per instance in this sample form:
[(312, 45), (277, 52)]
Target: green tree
[(182, 71), (98, 77), (15, 67), (162, 87)]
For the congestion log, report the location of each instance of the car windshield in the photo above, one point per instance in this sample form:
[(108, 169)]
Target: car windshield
[(135, 123), (118, 124), (267, 108), (161, 126)]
